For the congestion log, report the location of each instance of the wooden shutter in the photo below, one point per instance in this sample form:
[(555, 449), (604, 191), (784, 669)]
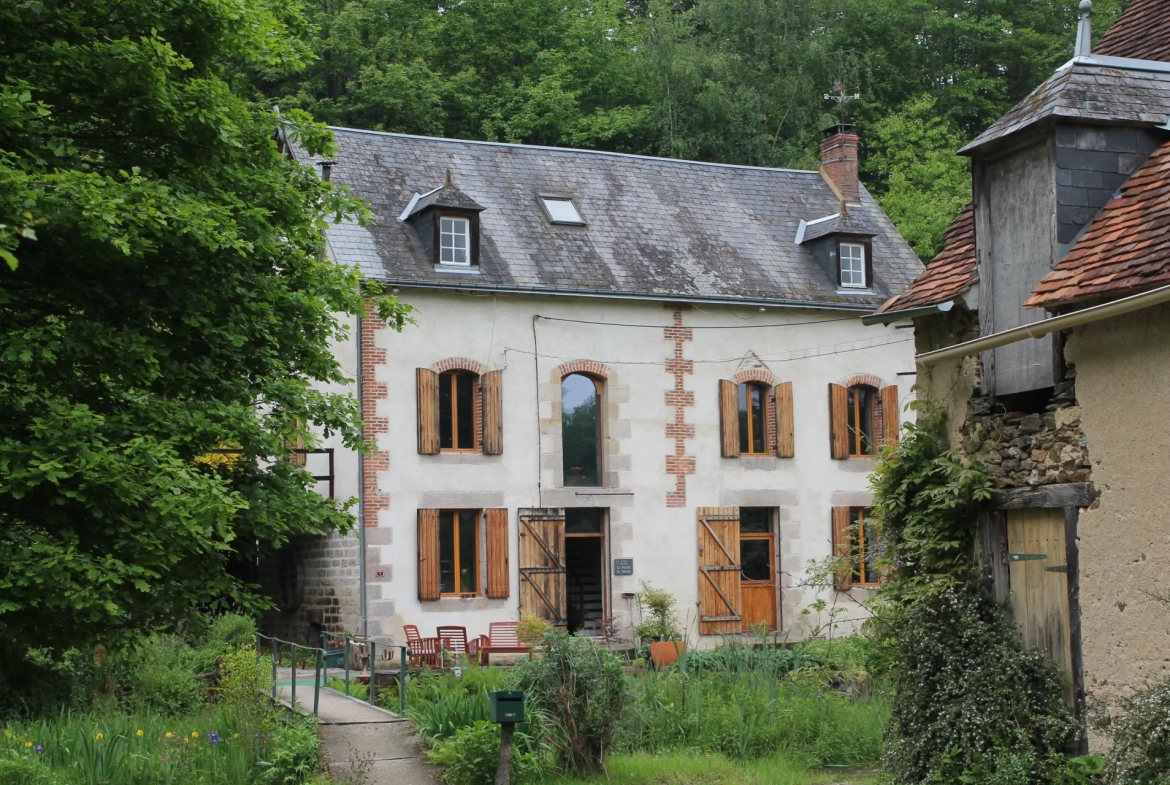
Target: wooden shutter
[(428, 554), (838, 422), (890, 412), (492, 395), (785, 438), (428, 411), (720, 601), (542, 564), (842, 549), (498, 575), (729, 418)]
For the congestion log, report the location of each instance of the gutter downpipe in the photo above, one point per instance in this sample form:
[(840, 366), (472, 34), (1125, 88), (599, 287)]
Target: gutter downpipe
[(361, 485), (1045, 326)]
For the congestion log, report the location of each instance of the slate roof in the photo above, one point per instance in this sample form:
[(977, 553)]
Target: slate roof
[(1143, 31), (1126, 250), (949, 274), (656, 228), (445, 196), (1096, 90)]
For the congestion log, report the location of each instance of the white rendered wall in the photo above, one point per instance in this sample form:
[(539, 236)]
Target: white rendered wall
[(498, 331)]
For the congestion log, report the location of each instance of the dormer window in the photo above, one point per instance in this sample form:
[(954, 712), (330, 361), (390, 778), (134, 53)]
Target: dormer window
[(560, 210), (853, 264), (454, 241)]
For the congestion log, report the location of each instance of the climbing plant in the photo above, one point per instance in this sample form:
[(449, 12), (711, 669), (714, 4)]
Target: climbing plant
[(971, 704)]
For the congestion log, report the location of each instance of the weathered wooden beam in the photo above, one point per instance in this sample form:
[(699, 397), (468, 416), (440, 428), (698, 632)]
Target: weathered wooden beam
[(1073, 494)]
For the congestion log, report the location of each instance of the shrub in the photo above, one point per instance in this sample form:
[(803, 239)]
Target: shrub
[(1141, 739), (293, 753), (969, 699), (161, 678), (442, 704), (659, 619), (18, 769), (472, 755), (243, 683), (581, 689)]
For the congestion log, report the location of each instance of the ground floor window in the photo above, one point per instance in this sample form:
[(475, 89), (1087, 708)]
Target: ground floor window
[(866, 547), (458, 552)]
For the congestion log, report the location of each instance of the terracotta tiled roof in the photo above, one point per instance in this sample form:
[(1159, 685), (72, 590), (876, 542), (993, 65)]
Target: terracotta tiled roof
[(1125, 250), (949, 274), (1142, 32)]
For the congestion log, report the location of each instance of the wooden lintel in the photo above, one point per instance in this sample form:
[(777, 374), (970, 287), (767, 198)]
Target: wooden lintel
[(1073, 494)]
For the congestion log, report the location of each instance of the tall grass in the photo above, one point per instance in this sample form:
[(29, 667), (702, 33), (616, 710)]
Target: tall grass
[(752, 715), (708, 769)]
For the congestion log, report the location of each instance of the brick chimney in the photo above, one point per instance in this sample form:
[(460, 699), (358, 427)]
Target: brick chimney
[(839, 161)]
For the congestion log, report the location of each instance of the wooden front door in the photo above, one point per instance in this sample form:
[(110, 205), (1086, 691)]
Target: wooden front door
[(542, 564), (1037, 566), (719, 571), (757, 557)]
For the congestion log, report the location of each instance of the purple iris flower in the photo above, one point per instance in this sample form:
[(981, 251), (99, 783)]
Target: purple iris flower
[(256, 736), (40, 749), (213, 737)]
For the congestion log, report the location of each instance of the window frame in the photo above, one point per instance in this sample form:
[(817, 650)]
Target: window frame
[(858, 548), (544, 197), (454, 413), (599, 391), (854, 430), (866, 246), (745, 434), (477, 529), (472, 218)]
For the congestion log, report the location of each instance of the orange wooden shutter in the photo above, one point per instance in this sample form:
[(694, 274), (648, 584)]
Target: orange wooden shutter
[(842, 549), (729, 418), (720, 599), (785, 438), (542, 569), (428, 554), (428, 411), (838, 422), (890, 414), (492, 393), (498, 580)]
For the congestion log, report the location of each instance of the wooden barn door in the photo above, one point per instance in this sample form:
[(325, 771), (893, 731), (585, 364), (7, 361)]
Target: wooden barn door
[(1038, 571), (720, 600), (542, 564)]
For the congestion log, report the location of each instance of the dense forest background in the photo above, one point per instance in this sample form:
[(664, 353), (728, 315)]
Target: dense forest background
[(734, 81)]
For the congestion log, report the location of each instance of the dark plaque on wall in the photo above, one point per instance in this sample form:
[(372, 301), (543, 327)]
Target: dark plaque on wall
[(623, 566)]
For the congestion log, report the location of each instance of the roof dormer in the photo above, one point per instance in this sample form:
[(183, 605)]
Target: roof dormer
[(447, 222), (842, 245)]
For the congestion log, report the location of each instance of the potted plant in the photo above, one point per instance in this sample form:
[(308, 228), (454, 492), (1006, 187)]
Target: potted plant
[(659, 627)]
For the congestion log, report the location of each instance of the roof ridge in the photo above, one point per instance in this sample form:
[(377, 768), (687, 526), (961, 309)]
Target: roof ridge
[(573, 150)]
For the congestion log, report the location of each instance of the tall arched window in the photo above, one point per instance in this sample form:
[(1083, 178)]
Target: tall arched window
[(457, 410), (753, 419), (863, 402), (581, 430)]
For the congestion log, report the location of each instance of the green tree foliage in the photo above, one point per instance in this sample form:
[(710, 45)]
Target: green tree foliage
[(734, 81), (175, 300)]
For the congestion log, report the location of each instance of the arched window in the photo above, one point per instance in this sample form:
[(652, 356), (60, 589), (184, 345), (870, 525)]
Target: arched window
[(863, 403), (457, 410), (753, 419), (581, 430)]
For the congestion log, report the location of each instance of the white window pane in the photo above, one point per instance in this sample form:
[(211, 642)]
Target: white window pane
[(446, 240), (445, 255), (562, 210), (853, 265), (460, 256), (445, 224)]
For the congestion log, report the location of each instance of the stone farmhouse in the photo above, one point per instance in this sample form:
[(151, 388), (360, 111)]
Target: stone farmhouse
[(1043, 330), (623, 369)]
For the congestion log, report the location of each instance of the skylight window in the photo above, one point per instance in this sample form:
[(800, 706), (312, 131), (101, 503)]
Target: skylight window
[(561, 210)]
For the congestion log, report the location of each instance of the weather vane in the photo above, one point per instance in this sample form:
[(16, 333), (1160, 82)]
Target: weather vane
[(840, 97)]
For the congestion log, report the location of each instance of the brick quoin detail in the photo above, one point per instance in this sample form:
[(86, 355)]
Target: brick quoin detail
[(458, 364), (678, 462), (583, 366), (373, 500), (755, 375)]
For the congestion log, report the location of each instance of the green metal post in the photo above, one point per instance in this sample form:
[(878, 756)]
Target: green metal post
[(293, 650), (317, 683), (373, 672), (346, 656), (402, 682), (274, 648)]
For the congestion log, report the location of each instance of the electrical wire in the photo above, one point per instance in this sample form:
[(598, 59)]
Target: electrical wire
[(697, 327)]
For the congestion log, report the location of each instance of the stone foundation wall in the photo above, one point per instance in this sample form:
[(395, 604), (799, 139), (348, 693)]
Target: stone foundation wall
[(1028, 449), (330, 600)]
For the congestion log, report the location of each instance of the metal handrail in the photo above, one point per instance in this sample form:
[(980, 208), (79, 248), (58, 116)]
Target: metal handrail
[(403, 653), (320, 653)]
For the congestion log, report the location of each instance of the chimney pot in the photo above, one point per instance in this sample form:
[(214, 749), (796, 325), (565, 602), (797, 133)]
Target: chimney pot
[(839, 160)]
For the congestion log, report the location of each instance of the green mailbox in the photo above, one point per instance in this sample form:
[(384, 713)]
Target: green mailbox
[(506, 706)]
